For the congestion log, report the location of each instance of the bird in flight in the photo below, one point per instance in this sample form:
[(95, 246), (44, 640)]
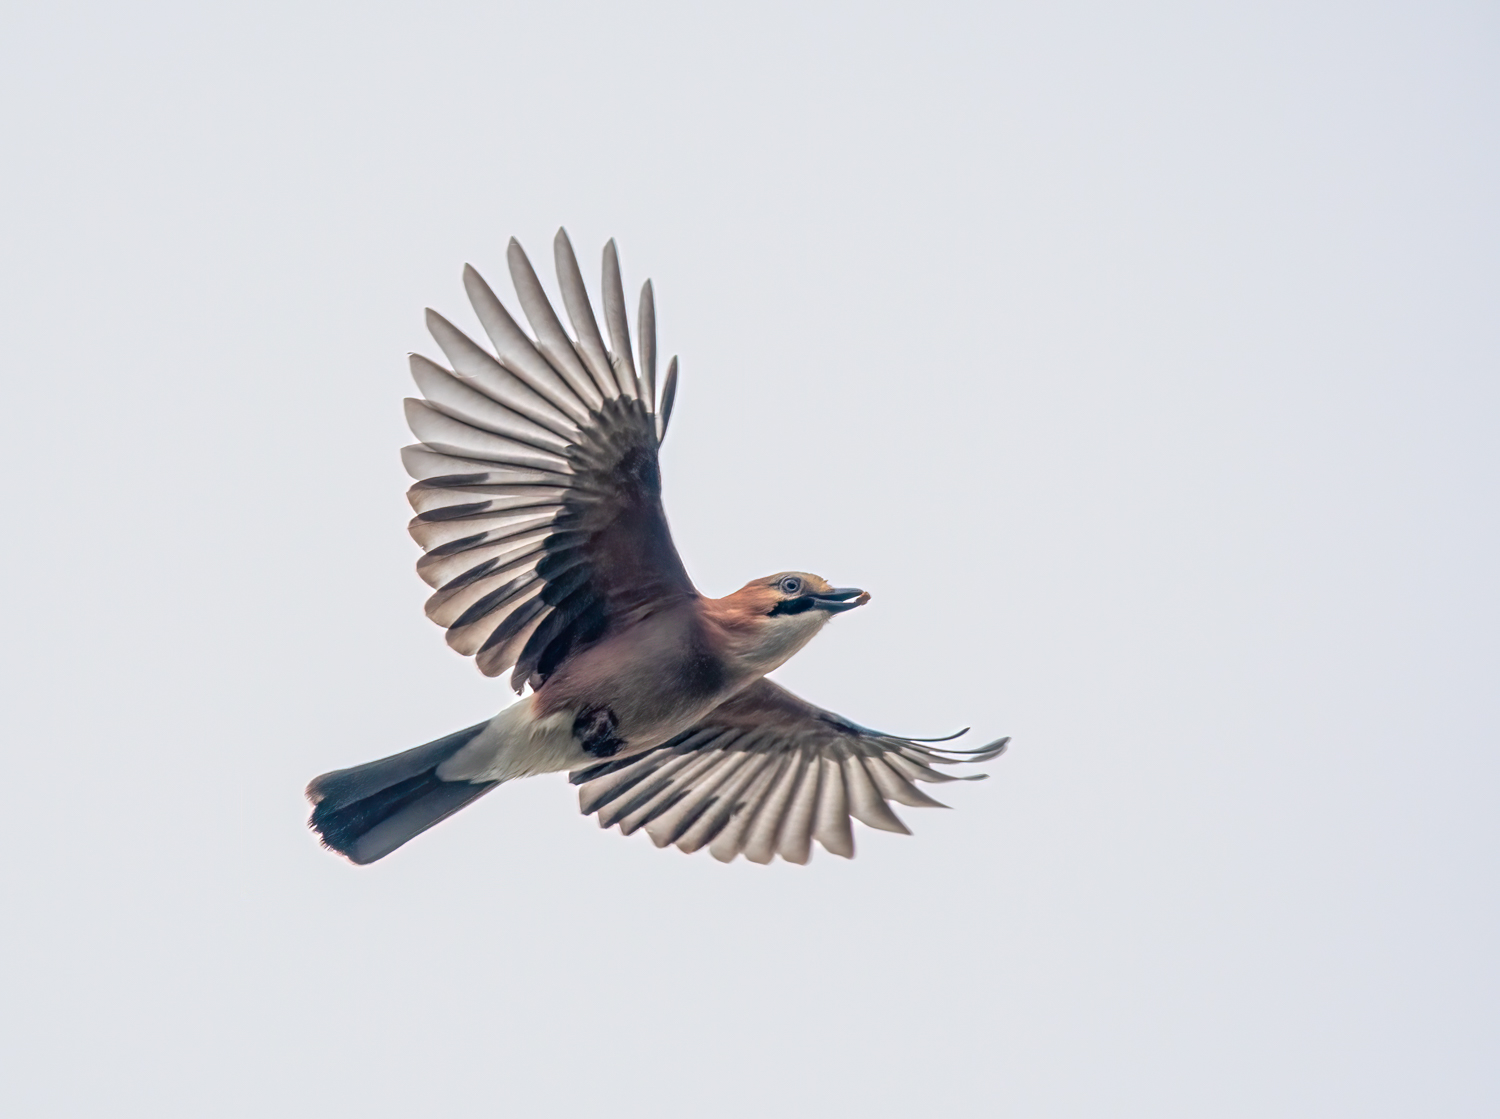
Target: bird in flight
[(538, 505)]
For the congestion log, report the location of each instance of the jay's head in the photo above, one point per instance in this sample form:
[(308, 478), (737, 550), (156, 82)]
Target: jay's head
[(796, 592), (775, 616)]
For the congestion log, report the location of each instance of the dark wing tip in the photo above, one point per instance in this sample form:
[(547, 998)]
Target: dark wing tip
[(993, 750), (668, 398), (945, 738)]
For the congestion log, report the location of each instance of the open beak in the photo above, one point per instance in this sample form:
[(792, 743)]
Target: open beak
[(840, 599)]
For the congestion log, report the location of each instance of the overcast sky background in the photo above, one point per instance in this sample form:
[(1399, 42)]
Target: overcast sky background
[(1140, 359)]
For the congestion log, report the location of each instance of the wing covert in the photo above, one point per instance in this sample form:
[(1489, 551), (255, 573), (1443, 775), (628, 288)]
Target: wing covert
[(767, 773), (538, 492)]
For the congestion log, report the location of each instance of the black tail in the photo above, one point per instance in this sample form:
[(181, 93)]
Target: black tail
[(366, 812)]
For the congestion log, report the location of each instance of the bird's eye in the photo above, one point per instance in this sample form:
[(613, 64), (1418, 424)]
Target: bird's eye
[(791, 585)]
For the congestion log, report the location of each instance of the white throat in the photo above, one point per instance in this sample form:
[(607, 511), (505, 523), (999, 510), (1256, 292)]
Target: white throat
[(779, 639)]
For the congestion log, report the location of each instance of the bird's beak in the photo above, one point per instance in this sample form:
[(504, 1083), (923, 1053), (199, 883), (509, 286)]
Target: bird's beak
[(840, 599)]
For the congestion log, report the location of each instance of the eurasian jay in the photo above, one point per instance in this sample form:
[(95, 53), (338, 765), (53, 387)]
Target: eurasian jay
[(538, 505)]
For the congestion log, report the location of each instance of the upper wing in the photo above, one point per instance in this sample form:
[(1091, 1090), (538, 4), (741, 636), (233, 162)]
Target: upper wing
[(538, 494), (764, 774)]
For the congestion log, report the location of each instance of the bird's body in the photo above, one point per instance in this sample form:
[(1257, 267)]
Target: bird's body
[(538, 501), (653, 679), (635, 690)]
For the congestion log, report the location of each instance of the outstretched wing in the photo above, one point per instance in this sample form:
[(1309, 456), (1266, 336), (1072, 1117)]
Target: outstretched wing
[(766, 773), (538, 494)]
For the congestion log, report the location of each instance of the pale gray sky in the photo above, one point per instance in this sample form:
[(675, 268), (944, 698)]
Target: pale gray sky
[(1140, 359)]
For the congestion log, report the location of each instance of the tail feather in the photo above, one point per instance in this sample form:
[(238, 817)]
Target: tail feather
[(366, 812)]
